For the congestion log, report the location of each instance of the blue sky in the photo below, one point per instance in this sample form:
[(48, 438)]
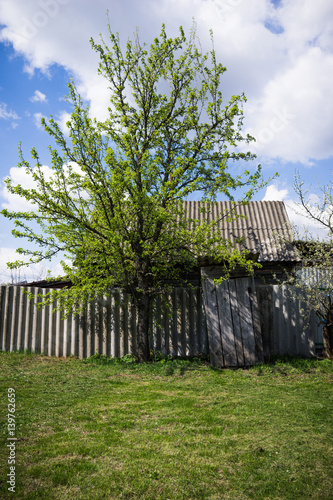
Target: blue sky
[(280, 53)]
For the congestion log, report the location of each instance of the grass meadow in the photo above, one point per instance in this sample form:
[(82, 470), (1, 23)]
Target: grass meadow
[(170, 429)]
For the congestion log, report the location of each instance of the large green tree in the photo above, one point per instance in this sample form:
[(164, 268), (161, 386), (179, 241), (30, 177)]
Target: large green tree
[(113, 204)]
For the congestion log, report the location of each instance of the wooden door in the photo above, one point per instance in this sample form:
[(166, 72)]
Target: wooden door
[(234, 334)]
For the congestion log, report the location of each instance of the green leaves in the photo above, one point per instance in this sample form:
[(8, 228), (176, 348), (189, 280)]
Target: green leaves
[(111, 201)]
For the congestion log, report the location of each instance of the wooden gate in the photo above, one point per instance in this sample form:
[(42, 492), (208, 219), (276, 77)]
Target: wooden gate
[(234, 334)]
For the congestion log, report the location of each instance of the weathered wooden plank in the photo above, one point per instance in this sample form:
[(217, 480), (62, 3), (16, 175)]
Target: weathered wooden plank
[(48, 330), (259, 350), (66, 335), (174, 320), (213, 326), (113, 326), (98, 332), (301, 341), (236, 323), (66, 326), (308, 328), (21, 319), (180, 329), (58, 334), (35, 324), (192, 324), (282, 330), (101, 332), (74, 334), (245, 316), (43, 324), (82, 334), (89, 326), (277, 319), (132, 334), (123, 324), (35, 336), (7, 306), (27, 330), (103, 324), (202, 325), (13, 326), (291, 318), (2, 317), (265, 306), (157, 314), (226, 325), (165, 335), (286, 324), (171, 322), (116, 324), (186, 322)]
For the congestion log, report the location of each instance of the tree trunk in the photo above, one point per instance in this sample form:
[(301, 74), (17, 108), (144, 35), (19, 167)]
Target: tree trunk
[(328, 340), (328, 329), (143, 300)]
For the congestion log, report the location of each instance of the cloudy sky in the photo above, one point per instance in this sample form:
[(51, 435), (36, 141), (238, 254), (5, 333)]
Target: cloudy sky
[(279, 52)]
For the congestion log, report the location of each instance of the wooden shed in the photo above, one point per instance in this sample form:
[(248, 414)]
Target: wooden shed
[(263, 230)]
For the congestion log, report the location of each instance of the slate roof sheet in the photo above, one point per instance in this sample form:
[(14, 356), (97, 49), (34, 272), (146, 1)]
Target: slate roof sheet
[(263, 225)]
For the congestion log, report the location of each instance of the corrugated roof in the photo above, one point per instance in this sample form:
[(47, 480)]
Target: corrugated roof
[(263, 225)]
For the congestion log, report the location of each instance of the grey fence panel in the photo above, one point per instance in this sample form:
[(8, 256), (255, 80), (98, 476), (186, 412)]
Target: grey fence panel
[(178, 324), (107, 326), (14, 322), (286, 328), (4, 318)]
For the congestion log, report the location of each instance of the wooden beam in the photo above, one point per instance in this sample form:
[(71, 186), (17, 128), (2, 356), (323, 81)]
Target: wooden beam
[(213, 324), (226, 325)]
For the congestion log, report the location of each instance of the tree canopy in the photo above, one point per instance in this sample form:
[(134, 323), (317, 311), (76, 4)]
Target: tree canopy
[(113, 204)]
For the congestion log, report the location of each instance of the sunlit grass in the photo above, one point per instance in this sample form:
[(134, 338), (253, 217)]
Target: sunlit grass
[(112, 429)]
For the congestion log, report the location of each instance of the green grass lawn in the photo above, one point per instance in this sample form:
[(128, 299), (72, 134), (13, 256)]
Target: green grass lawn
[(173, 430)]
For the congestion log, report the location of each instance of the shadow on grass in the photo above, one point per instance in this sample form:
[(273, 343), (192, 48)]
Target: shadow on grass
[(164, 365), (168, 365)]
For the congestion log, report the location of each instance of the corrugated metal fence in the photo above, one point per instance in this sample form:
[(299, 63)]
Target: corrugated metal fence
[(177, 324)]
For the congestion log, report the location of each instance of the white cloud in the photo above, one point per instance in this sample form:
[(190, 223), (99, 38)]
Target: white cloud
[(37, 118), (293, 119), (18, 176), (62, 120), (275, 194), (307, 23), (35, 272), (38, 97), (7, 115), (282, 58), (297, 216), (14, 202), (8, 275)]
